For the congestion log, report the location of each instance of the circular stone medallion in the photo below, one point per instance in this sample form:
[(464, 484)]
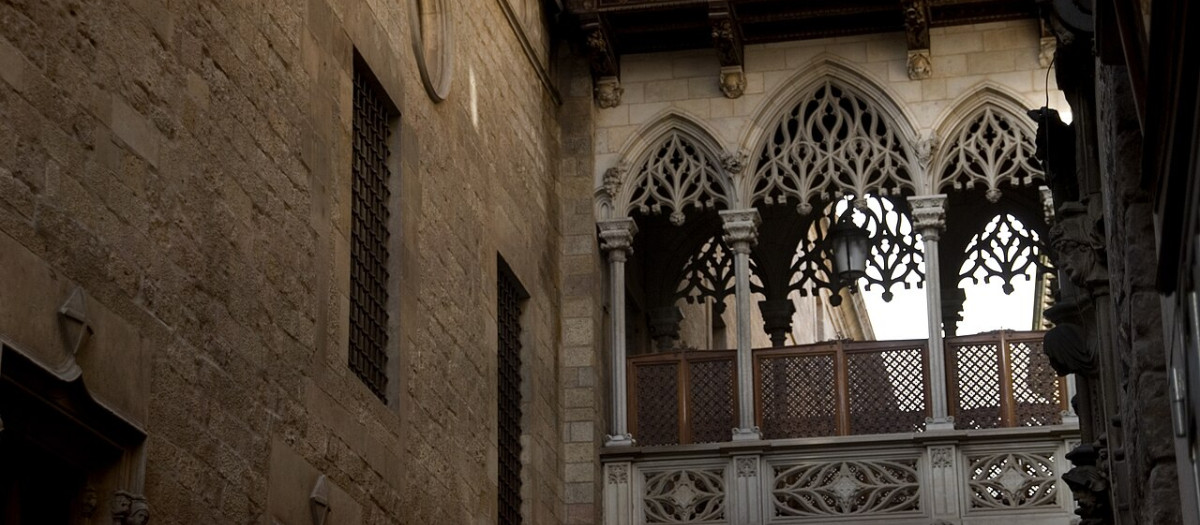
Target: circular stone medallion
[(433, 44)]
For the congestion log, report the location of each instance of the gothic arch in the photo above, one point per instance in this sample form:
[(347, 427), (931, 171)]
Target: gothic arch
[(828, 131), (671, 166), (986, 141)]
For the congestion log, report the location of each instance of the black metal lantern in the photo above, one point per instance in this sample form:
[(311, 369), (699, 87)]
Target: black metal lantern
[(849, 244)]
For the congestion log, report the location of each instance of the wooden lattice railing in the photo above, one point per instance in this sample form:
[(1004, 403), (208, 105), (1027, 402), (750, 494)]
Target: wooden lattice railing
[(844, 388)]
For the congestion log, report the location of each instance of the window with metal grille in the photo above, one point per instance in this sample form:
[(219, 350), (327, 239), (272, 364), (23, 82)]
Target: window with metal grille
[(372, 122), (510, 295)]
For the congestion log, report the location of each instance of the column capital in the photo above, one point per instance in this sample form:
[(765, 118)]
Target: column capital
[(616, 235), (929, 215), (741, 228)]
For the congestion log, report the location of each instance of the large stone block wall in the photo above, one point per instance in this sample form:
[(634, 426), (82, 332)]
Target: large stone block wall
[(187, 164), (1144, 410)]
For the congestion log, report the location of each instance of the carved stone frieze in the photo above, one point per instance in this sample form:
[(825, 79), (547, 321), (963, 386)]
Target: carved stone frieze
[(617, 474)]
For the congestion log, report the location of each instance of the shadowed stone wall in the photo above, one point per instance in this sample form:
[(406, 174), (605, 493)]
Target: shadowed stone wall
[(187, 164)]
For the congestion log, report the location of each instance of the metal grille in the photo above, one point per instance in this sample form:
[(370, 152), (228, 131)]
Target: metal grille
[(798, 397), (1036, 393), (508, 399), (658, 404), (977, 379), (712, 400), (369, 234), (887, 391)]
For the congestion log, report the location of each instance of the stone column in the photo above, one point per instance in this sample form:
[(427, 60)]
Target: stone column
[(929, 219), (619, 500), (945, 482), (741, 233), (616, 240)]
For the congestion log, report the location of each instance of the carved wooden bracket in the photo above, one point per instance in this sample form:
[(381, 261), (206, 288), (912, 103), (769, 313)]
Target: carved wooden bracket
[(916, 30), (727, 40)]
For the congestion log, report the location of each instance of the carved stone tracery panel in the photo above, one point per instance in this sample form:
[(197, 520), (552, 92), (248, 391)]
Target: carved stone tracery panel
[(685, 496), (989, 149), (679, 175), (834, 142), (1015, 480), (842, 488)]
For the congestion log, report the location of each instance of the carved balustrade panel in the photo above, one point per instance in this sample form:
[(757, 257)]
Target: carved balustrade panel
[(799, 396), (692, 496), (887, 390), (1012, 480), (845, 488)]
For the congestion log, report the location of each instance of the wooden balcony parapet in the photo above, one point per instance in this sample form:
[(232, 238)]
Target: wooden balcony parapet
[(844, 388)]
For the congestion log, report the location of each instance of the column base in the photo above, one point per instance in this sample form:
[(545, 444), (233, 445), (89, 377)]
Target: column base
[(619, 441), (939, 423), (747, 434)]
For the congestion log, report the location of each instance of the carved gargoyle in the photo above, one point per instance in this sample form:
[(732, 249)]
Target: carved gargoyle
[(1089, 484)]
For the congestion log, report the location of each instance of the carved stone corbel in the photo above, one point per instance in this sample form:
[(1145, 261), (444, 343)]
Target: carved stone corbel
[(916, 32), (129, 509), (1089, 485), (603, 61), (727, 40), (318, 501)]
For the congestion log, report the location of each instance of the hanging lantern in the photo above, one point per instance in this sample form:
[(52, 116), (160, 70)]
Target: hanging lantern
[(850, 246)]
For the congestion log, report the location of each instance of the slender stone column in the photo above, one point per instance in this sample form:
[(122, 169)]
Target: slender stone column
[(741, 233), (616, 239), (929, 218)]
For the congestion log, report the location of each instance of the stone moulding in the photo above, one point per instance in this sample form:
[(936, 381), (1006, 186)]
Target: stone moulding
[(432, 31)]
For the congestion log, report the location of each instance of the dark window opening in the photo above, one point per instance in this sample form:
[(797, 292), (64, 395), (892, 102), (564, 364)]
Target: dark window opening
[(510, 296), (372, 122)]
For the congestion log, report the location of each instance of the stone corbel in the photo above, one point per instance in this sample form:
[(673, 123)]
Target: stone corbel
[(318, 501), (1048, 44), (129, 509), (727, 40), (76, 330), (603, 61), (916, 30)]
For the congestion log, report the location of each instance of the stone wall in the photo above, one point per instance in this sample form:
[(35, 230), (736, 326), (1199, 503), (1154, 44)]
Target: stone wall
[(187, 164)]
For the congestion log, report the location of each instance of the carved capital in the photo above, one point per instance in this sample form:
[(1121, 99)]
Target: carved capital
[(608, 92), (919, 65), (741, 229), (733, 81), (929, 215), (616, 237), (1079, 247), (129, 509)]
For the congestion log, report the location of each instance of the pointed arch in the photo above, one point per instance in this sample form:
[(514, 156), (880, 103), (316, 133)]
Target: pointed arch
[(672, 165), (986, 141), (829, 130)]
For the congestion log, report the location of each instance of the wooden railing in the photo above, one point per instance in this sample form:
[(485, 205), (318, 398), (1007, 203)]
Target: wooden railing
[(844, 388)]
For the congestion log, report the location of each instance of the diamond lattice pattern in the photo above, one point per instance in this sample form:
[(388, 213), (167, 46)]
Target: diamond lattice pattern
[(798, 396), (978, 384), (712, 400), (658, 404), (887, 391), (1035, 386)]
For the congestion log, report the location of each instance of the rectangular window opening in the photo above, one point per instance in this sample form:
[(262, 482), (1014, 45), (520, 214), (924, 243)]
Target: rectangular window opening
[(510, 299), (374, 119)]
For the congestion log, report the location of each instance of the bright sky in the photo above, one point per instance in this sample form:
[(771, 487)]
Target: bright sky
[(986, 309)]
